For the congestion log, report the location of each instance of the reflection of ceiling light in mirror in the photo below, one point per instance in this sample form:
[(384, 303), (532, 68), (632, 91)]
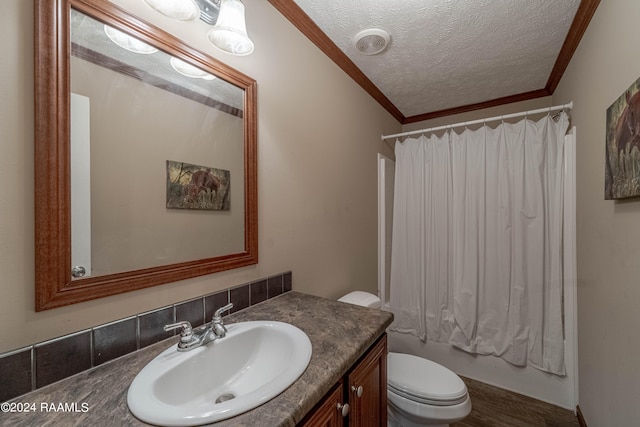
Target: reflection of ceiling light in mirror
[(183, 10), (127, 42), (189, 70), (230, 32)]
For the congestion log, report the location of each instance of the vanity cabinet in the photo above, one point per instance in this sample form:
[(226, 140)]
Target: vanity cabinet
[(367, 388), (363, 388), (329, 411)]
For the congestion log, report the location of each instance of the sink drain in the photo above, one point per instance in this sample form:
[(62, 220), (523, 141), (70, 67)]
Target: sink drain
[(224, 397)]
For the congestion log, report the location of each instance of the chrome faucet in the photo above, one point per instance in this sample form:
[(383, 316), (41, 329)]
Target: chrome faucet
[(217, 327), (190, 339)]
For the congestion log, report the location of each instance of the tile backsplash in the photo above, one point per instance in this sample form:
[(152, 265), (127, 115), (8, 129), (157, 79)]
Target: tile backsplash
[(38, 365)]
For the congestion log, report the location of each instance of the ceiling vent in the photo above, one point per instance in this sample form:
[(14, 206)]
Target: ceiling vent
[(372, 41)]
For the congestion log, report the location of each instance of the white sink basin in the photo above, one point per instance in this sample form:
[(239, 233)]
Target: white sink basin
[(255, 362)]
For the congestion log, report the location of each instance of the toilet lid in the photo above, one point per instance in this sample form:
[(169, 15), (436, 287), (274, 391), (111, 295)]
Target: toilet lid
[(364, 299), (424, 381)]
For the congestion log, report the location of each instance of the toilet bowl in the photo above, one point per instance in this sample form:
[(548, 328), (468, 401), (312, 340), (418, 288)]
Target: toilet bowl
[(419, 392)]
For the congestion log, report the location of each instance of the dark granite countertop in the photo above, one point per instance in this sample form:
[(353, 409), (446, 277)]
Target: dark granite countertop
[(340, 333)]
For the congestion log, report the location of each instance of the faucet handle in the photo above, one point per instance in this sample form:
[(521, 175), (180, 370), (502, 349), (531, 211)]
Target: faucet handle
[(218, 314), (186, 334), (217, 327)]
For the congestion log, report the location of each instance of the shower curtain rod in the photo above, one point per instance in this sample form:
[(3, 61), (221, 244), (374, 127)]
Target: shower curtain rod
[(568, 106)]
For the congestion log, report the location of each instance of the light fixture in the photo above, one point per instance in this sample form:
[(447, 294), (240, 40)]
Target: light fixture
[(209, 10), (127, 42), (230, 32), (182, 10), (189, 70)]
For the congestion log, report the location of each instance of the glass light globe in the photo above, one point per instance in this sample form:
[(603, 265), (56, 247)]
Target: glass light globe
[(182, 10), (230, 32), (127, 42), (189, 70)]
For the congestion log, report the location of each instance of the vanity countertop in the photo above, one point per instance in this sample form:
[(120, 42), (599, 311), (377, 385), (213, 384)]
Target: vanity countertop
[(340, 333)]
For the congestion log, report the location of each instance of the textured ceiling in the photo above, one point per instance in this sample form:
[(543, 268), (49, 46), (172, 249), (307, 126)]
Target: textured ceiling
[(450, 53)]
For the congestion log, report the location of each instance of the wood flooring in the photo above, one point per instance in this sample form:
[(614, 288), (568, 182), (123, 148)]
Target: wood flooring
[(495, 407)]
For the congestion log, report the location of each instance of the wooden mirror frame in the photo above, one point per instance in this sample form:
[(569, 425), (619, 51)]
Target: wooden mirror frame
[(53, 284)]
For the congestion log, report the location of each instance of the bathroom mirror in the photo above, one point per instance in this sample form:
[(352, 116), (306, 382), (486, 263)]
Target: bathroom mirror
[(145, 156)]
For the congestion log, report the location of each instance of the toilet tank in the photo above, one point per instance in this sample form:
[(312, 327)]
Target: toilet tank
[(364, 299)]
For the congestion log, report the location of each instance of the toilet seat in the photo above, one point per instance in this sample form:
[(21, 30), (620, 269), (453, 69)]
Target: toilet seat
[(424, 381)]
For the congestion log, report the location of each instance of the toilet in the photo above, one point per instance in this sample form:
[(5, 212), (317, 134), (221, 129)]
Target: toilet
[(419, 391)]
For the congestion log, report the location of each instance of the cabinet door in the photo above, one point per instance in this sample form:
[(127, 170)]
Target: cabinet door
[(367, 388), (328, 413)]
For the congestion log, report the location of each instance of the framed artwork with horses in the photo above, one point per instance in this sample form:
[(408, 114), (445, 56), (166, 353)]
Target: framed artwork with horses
[(622, 153), (192, 186)]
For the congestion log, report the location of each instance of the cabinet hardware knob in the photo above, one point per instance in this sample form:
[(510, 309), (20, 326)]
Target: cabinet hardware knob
[(357, 390), (343, 409)]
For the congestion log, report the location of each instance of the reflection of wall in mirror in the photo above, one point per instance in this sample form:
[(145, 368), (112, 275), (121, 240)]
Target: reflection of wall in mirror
[(135, 127), (80, 183)]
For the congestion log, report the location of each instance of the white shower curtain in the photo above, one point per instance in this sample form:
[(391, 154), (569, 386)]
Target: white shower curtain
[(477, 241)]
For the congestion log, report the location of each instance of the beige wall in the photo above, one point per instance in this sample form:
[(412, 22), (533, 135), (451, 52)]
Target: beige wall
[(131, 228), (318, 135), (608, 232), (515, 107)]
